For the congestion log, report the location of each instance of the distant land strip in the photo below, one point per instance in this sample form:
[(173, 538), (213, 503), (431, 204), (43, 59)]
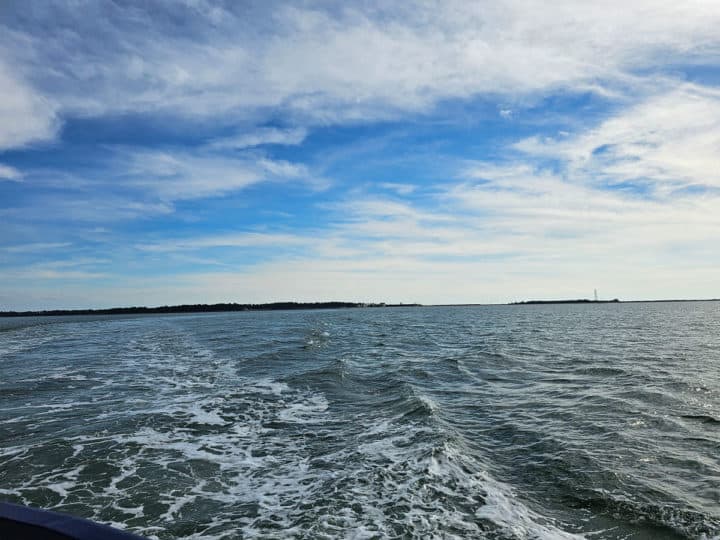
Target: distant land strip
[(613, 301), (201, 308), (577, 301), (278, 306)]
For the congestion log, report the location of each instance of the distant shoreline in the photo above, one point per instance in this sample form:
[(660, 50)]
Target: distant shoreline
[(201, 308), (613, 301), (577, 301), (297, 306)]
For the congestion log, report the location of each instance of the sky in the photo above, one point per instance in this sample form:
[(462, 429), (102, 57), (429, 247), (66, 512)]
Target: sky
[(165, 152)]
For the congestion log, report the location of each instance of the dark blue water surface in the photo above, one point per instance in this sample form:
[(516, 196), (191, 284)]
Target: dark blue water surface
[(529, 422)]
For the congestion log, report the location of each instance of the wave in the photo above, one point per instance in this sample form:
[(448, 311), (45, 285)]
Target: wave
[(704, 418), (658, 520)]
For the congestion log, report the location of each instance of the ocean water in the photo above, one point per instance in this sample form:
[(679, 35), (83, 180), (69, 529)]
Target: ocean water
[(503, 422)]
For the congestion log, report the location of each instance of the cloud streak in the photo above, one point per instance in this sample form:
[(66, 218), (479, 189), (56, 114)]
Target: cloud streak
[(260, 137), (670, 141), (10, 173), (340, 64)]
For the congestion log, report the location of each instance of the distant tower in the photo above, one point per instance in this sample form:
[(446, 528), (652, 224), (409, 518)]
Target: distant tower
[(596, 295)]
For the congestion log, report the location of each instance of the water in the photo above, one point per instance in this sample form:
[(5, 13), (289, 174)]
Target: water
[(529, 422)]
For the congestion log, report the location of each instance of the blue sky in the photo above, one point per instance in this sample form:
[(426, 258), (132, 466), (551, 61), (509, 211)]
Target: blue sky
[(194, 151)]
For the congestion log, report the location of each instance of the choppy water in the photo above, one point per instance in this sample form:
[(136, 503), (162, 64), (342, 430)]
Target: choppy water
[(565, 421)]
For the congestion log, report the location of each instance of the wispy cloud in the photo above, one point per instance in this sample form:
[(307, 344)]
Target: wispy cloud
[(10, 173), (26, 115), (398, 187), (77, 210), (41, 273), (260, 137), (366, 63), (35, 247), (669, 141), (176, 175), (242, 239), (66, 269)]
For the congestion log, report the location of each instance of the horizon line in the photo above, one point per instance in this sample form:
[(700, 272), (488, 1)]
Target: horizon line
[(220, 307)]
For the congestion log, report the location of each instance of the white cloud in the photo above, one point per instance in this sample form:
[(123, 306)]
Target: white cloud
[(180, 175), (346, 63), (553, 211), (141, 184), (35, 247), (73, 209), (40, 273), (398, 187), (10, 173), (176, 176), (360, 208), (75, 269), (259, 137), (243, 240), (668, 140), (283, 169), (25, 116)]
